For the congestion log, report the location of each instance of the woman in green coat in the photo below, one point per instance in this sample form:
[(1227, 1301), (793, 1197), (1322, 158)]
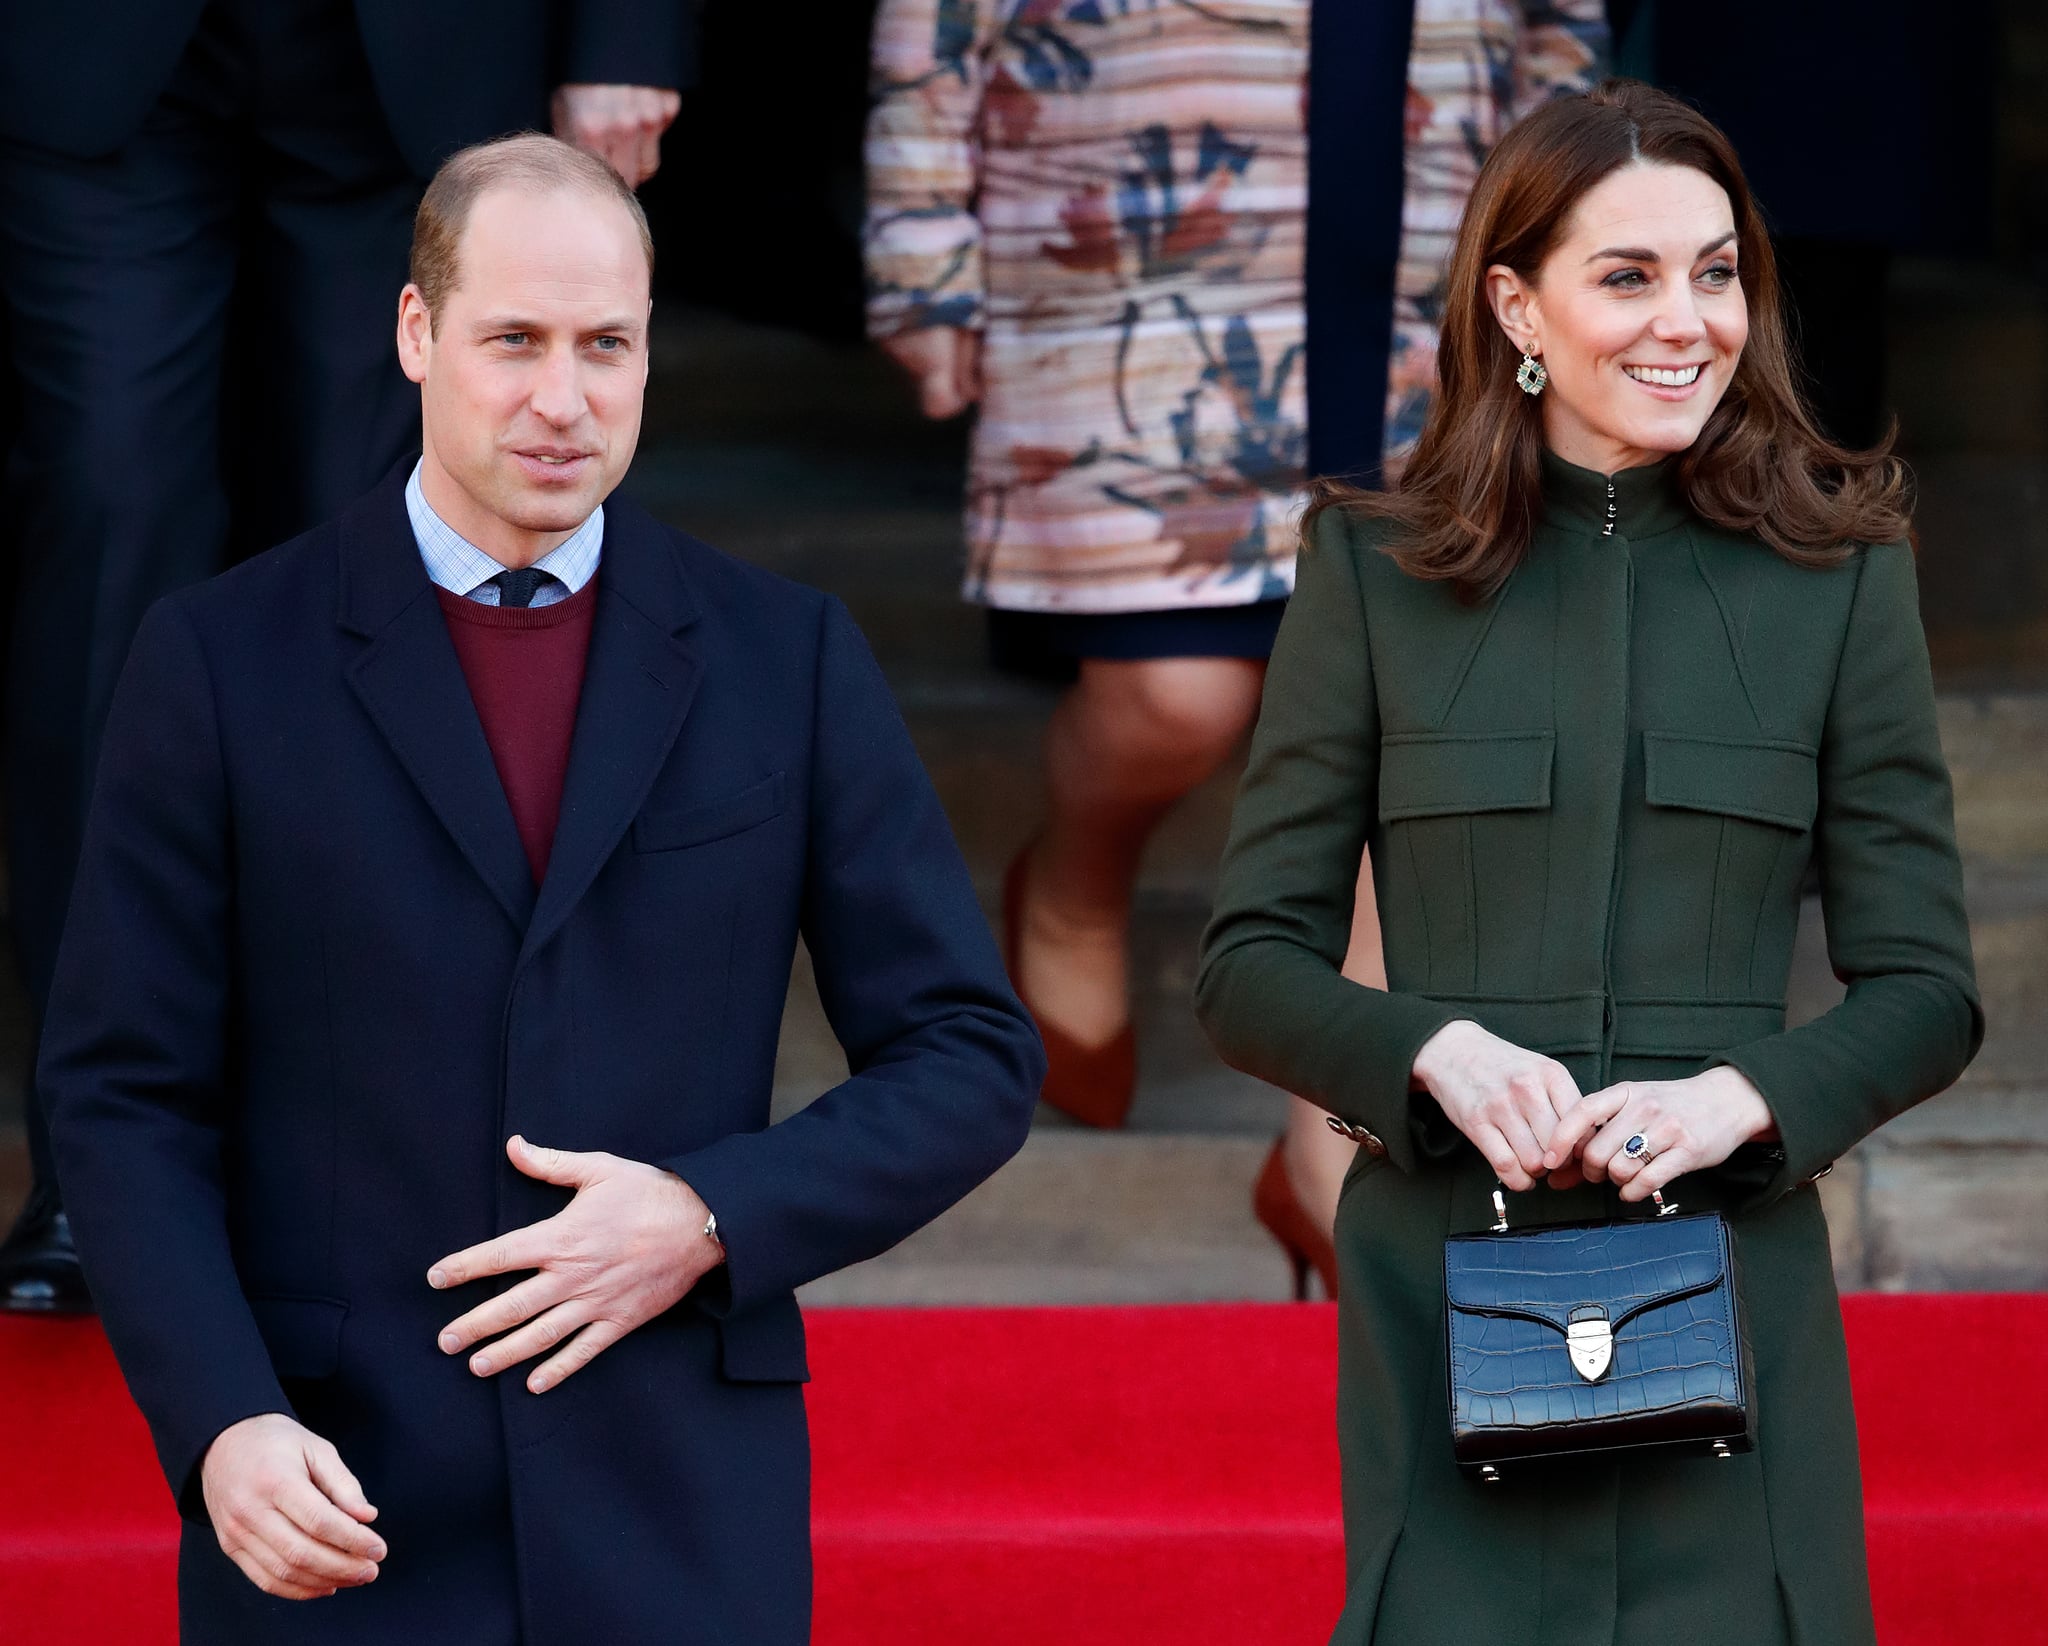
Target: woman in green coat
[(1630, 647)]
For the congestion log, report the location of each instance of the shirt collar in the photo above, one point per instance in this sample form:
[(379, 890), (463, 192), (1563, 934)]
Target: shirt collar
[(459, 566)]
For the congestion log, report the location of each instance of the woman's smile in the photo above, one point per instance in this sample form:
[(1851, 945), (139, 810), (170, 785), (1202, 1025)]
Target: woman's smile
[(1674, 377)]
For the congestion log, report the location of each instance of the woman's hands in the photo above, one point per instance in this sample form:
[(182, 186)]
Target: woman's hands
[(1506, 1100), (1526, 1115), (1688, 1124)]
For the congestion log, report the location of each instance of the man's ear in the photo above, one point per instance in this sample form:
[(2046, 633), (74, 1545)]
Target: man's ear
[(415, 333), (1514, 307)]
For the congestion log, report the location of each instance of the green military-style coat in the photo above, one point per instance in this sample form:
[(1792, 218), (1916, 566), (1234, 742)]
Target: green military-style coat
[(1591, 802)]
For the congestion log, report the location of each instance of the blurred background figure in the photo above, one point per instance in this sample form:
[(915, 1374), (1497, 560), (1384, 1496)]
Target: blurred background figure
[(1089, 220), (1091, 223), (1888, 152), (205, 207)]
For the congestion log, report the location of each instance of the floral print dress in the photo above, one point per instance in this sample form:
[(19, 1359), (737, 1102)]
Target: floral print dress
[(1113, 193)]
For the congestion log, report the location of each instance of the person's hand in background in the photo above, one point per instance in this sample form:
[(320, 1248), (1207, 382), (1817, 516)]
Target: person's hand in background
[(620, 124), (945, 361)]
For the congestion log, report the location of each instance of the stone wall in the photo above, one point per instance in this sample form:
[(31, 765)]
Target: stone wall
[(1954, 1194)]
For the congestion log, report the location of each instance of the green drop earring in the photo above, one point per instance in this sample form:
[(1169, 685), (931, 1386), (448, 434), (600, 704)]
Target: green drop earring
[(1530, 377)]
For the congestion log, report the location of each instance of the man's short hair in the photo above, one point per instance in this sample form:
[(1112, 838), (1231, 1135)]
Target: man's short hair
[(527, 160)]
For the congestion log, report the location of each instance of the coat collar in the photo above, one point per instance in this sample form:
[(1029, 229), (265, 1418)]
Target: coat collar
[(1644, 501), (638, 683)]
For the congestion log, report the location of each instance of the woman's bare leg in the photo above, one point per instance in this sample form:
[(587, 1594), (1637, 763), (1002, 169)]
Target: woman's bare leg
[(1127, 742), (1316, 1157)]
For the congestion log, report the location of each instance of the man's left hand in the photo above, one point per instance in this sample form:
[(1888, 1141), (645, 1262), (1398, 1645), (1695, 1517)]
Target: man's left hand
[(619, 124), (629, 1246)]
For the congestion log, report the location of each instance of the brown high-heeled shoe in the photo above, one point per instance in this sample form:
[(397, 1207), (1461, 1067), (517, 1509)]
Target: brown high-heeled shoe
[(1276, 1205), (1094, 1084)]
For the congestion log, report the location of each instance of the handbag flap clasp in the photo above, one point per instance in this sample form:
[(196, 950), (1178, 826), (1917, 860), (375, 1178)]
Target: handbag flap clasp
[(1589, 1339), (1548, 1274)]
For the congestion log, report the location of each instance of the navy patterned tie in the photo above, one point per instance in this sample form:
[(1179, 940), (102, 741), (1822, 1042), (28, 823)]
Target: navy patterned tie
[(517, 588)]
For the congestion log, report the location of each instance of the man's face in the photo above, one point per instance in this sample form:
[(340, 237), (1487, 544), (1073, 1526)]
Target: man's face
[(533, 373)]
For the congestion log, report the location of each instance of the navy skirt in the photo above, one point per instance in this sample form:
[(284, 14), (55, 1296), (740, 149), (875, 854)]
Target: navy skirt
[(1052, 645)]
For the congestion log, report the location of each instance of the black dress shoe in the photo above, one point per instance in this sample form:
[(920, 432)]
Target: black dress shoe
[(39, 1272)]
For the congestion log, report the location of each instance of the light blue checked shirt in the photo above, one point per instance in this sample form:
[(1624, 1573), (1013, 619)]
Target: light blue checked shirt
[(460, 567)]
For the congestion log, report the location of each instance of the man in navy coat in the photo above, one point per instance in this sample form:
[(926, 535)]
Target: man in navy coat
[(376, 888), (204, 211)]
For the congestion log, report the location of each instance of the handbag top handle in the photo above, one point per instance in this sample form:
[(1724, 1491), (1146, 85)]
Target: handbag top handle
[(1665, 1208)]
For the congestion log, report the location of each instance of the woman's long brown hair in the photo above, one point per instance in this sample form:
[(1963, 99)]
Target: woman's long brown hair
[(1466, 502)]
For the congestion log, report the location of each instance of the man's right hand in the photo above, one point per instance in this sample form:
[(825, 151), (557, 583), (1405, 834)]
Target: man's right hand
[(287, 1511), (945, 361)]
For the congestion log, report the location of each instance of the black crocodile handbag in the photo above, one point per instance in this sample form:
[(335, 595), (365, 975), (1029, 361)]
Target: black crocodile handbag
[(1591, 1337)]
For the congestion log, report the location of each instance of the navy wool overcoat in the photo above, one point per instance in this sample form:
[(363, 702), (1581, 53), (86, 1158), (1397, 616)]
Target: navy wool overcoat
[(308, 987)]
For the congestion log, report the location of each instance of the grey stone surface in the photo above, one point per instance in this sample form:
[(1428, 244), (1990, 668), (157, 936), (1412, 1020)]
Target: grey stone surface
[(1953, 1193), (1956, 1218), (1997, 749), (1841, 1198), (1080, 1217)]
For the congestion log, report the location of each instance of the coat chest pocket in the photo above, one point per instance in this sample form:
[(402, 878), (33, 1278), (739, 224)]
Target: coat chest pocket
[(1736, 813), (709, 820), (1460, 773), (1765, 782), (1437, 791)]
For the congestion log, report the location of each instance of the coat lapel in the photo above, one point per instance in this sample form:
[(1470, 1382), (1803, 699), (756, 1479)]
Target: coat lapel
[(637, 687), (410, 681)]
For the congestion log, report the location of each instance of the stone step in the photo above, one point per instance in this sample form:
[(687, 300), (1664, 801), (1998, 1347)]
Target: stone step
[(1092, 1218), (1079, 1217)]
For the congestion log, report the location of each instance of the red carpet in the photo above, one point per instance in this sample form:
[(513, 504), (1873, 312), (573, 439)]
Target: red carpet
[(1124, 1476)]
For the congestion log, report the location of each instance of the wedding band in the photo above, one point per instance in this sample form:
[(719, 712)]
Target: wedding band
[(1638, 1148)]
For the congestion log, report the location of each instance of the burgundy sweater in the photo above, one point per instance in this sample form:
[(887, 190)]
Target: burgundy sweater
[(525, 673)]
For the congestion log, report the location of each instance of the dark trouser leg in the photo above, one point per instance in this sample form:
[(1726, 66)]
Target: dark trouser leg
[(116, 273), (329, 410)]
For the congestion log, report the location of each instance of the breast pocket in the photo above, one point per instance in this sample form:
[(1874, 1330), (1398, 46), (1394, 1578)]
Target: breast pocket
[(709, 820), (1447, 800), (1741, 810)]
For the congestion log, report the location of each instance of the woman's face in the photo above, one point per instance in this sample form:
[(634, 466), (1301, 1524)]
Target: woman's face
[(1637, 315)]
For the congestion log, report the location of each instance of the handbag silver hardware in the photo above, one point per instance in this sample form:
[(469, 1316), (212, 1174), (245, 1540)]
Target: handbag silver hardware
[(1721, 1450), (1489, 1474), (1665, 1208), (1589, 1340)]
